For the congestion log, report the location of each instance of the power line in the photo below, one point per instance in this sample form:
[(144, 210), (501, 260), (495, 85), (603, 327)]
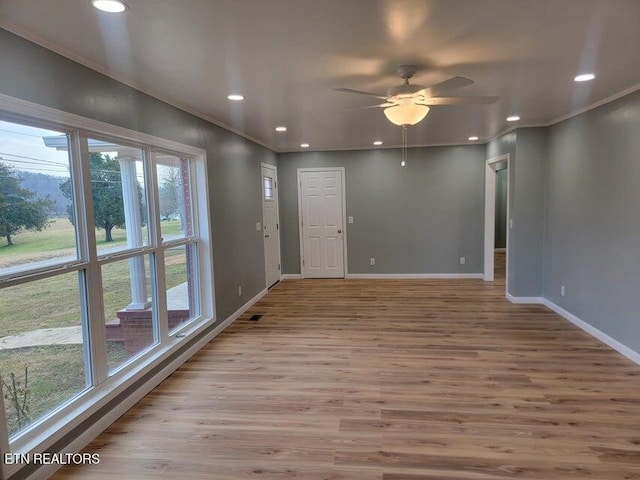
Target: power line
[(31, 158), (27, 134)]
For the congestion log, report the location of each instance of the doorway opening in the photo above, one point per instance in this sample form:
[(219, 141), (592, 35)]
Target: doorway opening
[(497, 220)]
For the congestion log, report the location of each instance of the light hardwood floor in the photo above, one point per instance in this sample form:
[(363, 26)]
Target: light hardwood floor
[(386, 380)]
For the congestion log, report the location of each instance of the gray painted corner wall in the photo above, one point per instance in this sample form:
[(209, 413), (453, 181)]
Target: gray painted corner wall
[(527, 149), (500, 235), (417, 219), (41, 76), (592, 239), (528, 212)]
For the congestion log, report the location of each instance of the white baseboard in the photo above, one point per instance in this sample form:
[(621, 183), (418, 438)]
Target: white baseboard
[(536, 300), (86, 437), (291, 276), (413, 276), (593, 331)]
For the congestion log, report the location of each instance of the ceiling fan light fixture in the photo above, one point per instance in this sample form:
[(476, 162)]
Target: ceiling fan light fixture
[(406, 114), (109, 6)]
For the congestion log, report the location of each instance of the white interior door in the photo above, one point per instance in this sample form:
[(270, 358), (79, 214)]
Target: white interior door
[(322, 223), (270, 224)]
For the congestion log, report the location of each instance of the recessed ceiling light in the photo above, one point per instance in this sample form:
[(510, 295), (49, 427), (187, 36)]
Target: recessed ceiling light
[(473, 138), (235, 97), (281, 129), (304, 145), (585, 77), (377, 143), (513, 118), (110, 6)]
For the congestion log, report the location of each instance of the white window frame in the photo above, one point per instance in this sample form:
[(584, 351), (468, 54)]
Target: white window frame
[(63, 420)]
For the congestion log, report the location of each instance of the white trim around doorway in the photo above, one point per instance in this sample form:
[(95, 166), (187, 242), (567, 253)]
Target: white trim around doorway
[(492, 166)]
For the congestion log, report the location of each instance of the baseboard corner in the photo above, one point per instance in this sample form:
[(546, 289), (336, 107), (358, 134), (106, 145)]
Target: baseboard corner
[(594, 332)]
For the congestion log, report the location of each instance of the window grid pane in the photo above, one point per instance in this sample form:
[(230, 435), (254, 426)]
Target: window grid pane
[(268, 188), (118, 191), (42, 358), (182, 285), (37, 222), (129, 309)]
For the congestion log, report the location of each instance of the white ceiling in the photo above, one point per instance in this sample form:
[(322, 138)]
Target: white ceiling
[(286, 56)]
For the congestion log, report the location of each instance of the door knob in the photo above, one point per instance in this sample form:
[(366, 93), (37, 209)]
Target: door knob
[(339, 231), (266, 236)]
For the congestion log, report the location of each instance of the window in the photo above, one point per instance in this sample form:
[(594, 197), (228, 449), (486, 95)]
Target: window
[(101, 264), (268, 188), (37, 218), (42, 349)]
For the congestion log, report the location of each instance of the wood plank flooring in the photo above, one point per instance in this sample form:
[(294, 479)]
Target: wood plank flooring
[(386, 380)]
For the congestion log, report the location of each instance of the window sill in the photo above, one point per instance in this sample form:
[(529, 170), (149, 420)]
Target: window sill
[(59, 424)]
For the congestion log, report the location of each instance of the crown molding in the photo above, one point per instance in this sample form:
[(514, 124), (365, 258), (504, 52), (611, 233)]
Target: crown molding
[(21, 32), (599, 103)]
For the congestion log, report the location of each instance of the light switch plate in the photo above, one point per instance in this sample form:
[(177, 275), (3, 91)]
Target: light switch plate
[(350, 219), (258, 226)]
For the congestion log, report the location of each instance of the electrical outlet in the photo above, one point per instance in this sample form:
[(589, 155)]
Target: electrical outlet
[(463, 260), (350, 219), (372, 261), (562, 290), (239, 291), (511, 223)]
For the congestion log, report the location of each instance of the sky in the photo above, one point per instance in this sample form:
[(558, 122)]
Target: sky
[(22, 147)]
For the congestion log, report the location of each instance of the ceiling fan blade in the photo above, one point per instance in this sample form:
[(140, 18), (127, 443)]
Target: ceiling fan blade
[(459, 101), (382, 105), (451, 84), (359, 92)]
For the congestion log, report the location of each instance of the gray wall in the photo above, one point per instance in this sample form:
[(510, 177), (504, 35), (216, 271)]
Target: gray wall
[(502, 179), (417, 219), (32, 73), (527, 149), (592, 240), (528, 209)]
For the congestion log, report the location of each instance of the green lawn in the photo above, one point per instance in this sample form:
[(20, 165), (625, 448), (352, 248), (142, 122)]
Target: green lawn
[(58, 240), (56, 372)]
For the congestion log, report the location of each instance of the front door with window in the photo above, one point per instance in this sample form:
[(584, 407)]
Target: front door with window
[(270, 224)]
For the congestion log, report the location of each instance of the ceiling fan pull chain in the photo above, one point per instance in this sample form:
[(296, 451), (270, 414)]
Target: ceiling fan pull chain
[(404, 146)]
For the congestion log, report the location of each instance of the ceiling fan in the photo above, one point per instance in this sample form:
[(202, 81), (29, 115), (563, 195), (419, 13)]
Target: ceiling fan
[(408, 104)]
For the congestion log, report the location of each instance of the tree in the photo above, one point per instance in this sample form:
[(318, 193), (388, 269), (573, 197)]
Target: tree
[(170, 194), (20, 208), (106, 193)]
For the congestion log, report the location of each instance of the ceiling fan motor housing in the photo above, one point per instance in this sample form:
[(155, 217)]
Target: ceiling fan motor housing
[(405, 72)]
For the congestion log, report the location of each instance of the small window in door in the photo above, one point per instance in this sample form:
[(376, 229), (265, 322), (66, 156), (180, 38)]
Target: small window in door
[(268, 188)]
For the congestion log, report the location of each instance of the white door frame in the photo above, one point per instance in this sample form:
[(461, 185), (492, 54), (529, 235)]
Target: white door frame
[(490, 215), (275, 179), (344, 213)]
